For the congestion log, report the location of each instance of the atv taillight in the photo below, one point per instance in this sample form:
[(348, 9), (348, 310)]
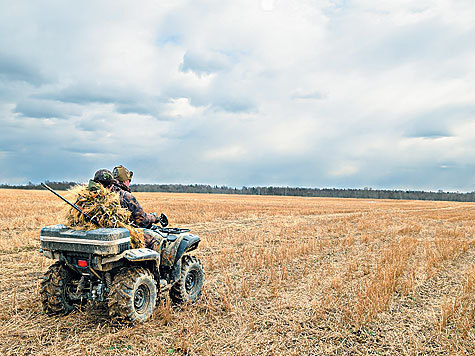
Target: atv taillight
[(82, 263)]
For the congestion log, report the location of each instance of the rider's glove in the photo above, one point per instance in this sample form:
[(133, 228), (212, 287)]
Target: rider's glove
[(162, 219)]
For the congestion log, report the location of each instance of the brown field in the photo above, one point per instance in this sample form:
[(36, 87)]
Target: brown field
[(284, 276)]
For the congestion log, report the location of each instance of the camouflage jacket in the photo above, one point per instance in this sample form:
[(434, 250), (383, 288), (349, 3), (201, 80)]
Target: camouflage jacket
[(138, 217)]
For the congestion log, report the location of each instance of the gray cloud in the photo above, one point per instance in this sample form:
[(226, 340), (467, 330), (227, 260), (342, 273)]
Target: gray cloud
[(19, 69), (235, 105), (439, 122), (204, 63), (45, 109), (312, 95), (302, 94), (87, 93)]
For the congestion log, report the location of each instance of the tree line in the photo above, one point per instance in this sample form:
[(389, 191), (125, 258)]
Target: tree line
[(366, 193)]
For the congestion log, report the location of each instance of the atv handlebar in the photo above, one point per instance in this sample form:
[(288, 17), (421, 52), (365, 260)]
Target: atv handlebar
[(169, 230)]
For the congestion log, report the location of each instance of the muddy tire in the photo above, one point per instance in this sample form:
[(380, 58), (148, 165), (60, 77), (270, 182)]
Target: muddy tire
[(56, 286), (133, 295), (188, 287)]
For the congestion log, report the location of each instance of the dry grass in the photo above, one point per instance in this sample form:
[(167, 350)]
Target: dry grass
[(284, 276)]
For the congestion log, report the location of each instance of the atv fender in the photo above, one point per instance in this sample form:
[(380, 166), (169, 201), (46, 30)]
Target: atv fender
[(187, 244), (175, 246), (182, 245)]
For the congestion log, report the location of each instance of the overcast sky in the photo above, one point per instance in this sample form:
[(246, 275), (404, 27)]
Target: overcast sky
[(292, 93)]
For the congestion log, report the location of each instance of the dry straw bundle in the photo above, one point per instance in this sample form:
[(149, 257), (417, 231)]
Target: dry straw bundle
[(104, 206)]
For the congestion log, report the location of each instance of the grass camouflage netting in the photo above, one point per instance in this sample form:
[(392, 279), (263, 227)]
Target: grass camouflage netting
[(104, 206)]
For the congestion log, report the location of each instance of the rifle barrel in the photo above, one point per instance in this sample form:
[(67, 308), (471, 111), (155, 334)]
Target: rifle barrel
[(94, 221)]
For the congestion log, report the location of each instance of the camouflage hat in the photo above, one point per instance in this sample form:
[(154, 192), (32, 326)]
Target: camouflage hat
[(93, 186), (103, 176), (122, 174)]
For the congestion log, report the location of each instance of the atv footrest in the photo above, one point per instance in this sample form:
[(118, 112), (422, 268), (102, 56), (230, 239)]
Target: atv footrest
[(142, 254)]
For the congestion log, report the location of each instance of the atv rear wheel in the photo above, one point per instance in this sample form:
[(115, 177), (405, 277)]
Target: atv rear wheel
[(188, 287), (133, 295), (58, 284)]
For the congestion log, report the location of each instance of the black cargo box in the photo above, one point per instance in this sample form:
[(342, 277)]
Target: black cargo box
[(102, 241)]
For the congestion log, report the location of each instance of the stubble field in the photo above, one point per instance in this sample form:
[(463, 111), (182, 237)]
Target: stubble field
[(284, 276)]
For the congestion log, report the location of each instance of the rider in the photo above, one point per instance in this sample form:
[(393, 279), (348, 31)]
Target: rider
[(118, 181)]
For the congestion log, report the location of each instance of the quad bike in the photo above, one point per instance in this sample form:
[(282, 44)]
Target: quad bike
[(101, 266)]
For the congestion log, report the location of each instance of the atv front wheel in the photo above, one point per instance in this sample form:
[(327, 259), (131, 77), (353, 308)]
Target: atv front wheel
[(57, 287), (133, 295), (188, 287)]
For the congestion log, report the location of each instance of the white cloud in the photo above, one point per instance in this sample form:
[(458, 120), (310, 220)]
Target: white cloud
[(181, 107), (226, 153), (343, 169)]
